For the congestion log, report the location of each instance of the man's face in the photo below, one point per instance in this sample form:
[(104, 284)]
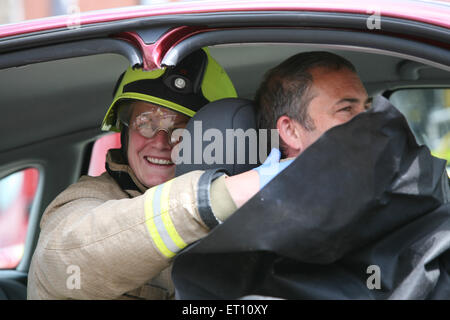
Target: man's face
[(150, 158), (338, 96)]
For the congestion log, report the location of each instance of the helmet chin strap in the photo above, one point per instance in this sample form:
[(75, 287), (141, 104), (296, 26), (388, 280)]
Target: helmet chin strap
[(124, 142)]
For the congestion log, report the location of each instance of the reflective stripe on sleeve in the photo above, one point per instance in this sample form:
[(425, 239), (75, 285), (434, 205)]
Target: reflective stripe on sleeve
[(159, 223), (165, 216)]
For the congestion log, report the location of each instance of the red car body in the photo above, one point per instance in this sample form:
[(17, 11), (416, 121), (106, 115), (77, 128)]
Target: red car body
[(430, 13), (16, 216)]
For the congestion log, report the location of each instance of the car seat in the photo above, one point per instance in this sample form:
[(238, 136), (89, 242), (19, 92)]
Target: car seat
[(227, 120)]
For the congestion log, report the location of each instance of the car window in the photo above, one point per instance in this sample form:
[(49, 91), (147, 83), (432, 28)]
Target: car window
[(428, 115), (99, 150), (17, 192)]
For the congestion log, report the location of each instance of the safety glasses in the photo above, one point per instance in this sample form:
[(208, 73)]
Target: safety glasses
[(149, 123)]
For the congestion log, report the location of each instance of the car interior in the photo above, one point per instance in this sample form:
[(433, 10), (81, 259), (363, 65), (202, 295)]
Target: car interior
[(54, 97)]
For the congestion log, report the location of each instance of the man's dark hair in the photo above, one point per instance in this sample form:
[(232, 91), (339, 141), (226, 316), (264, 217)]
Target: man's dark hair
[(285, 88)]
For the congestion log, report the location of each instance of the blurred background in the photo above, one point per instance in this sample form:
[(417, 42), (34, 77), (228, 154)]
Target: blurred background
[(19, 10)]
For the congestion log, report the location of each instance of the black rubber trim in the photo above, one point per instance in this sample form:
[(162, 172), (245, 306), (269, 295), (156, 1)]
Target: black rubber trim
[(203, 196), (151, 35), (230, 19), (71, 50), (315, 36)]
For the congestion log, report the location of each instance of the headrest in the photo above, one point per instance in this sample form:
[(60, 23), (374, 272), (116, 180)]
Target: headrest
[(219, 137)]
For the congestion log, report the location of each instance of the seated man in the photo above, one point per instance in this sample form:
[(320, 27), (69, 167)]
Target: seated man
[(362, 213), (302, 97)]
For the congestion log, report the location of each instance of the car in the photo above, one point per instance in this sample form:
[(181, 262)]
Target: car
[(57, 76)]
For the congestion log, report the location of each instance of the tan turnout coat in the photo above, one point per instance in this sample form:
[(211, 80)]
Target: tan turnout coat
[(98, 241)]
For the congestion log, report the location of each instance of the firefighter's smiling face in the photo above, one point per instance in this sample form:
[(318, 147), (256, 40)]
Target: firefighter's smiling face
[(150, 156)]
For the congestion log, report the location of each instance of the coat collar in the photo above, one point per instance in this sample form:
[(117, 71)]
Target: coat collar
[(122, 173)]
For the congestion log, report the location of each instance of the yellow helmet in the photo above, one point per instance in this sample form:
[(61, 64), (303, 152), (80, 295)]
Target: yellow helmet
[(197, 80)]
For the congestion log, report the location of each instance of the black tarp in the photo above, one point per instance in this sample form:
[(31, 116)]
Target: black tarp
[(365, 194)]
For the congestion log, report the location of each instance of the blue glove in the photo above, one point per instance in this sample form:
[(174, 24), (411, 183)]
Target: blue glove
[(271, 167)]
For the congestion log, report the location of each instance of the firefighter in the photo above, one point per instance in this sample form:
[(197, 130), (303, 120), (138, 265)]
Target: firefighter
[(114, 236)]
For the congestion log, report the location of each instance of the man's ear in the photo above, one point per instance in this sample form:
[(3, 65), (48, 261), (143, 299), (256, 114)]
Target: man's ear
[(290, 134)]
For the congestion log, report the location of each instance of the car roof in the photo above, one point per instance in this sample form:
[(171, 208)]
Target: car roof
[(431, 12)]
